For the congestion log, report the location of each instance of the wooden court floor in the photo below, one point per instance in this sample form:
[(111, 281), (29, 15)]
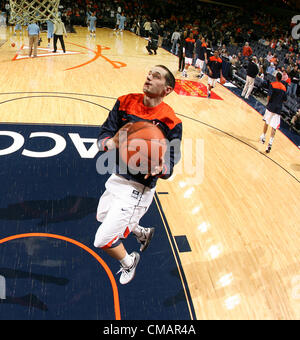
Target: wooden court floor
[(238, 207)]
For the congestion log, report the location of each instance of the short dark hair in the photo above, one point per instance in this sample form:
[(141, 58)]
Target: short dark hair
[(170, 79), (278, 76)]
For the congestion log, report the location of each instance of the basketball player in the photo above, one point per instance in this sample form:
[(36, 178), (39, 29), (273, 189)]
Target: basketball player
[(122, 20), (188, 52), (276, 96), (50, 29), (201, 52), (18, 27), (128, 196), (92, 24), (118, 16), (88, 15), (214, 67)]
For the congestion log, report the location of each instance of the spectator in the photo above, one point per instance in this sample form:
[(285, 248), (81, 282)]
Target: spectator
[(294, 75), (263, 63), (269, 56), (261, 74), (285, 76), (174, 40), (247, 50), (286, 59), (147, 28), (232, 59), (274, 59), (271, 69), (295, 121), (267, 42)]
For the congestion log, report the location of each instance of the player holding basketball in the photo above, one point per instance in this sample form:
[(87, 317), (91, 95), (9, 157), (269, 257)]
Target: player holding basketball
[(276, 96), (128, 196), (214, 67)]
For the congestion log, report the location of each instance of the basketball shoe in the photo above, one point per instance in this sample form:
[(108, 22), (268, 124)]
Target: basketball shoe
[(128, 273), (262, 139), (145, 238), (269, 148)]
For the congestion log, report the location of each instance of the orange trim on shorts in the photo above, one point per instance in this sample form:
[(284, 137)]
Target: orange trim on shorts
[(90, 251), (127, 232), (109, 244)]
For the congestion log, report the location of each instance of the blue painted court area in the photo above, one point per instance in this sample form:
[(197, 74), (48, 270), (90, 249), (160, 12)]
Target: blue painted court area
[(50, 278)]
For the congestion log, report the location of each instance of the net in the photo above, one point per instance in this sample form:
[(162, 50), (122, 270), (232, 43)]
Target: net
[(25, 11)]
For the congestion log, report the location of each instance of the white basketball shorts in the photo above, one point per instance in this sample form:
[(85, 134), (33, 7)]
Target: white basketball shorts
[(120, 209), (199, 63), (212, 82), (272, 119), (188, 61)]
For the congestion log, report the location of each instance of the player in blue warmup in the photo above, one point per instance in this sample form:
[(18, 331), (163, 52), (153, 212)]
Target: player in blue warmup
[(92, 22), (122, 22), (50, 29), (18, 27)]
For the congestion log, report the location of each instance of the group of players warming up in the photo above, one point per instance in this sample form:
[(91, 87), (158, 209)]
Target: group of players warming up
[(277, 95)]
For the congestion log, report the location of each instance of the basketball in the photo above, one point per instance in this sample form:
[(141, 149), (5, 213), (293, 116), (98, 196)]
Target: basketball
[(144, 147), (13, 44), (222, 80)]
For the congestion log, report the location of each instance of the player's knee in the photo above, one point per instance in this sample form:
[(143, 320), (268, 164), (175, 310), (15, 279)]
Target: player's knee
[(99, 217), (99, 242)]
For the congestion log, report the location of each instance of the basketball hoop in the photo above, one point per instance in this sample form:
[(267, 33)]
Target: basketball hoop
[(25, 11)]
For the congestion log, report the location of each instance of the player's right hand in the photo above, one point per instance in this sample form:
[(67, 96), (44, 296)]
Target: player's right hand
[(121, 134)]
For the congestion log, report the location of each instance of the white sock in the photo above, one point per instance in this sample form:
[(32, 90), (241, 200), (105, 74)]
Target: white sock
[(271, 140), (127, 261), (263, 136)]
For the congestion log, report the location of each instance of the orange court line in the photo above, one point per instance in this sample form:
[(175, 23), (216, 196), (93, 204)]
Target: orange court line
[(96, 256), (98, 53), (15, 58)]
